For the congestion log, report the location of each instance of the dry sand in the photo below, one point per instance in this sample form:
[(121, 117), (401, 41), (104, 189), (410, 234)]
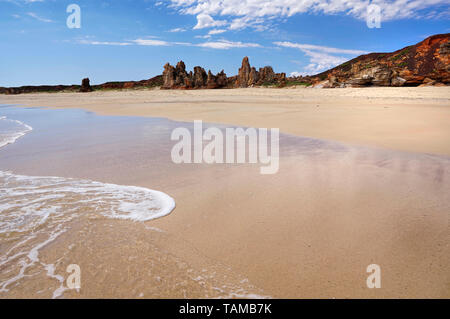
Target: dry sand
[(310, 230), (409, 119)]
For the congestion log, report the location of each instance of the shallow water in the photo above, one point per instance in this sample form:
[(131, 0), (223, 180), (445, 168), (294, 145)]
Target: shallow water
[(36, 210), (58, 154)]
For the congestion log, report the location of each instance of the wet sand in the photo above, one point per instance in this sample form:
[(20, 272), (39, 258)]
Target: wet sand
[(407, 119), (309, 231)]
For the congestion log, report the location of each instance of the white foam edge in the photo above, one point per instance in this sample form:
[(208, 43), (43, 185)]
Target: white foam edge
[(17, 135)]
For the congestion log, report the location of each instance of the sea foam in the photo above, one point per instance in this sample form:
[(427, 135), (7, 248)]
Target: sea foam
[(34, 193), (11, 130), (35, 210)]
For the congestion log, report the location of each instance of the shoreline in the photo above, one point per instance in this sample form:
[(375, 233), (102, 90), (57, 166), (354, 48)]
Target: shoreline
[(308, 231), (405, 119)]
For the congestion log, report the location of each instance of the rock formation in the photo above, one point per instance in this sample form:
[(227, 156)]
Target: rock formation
[(248, 76), (426, 63), (85, 85), (244, 74), (216, 81), (178, 78)]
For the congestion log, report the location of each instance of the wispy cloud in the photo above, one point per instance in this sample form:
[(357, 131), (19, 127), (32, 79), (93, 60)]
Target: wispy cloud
[(151, 42), (320, 62), (318, 48), (321, 58), (90, 42), (211, 33), (177, 30), (35, 16), (216, 31), (225, 45), (220, 44)]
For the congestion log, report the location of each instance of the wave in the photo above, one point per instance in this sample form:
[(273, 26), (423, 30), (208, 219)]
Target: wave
[(11, 130), (36, 198), (35, 210)]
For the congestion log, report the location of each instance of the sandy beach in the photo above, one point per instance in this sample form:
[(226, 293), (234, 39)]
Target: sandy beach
[(364, 179), (408, 119)]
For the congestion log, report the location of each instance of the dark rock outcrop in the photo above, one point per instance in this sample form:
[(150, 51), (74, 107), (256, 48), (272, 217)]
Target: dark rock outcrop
[(248, 76), (178, 78), (169, 75), (244, 74), (216, 81), (199, 78), (86, 86), (426, 63)]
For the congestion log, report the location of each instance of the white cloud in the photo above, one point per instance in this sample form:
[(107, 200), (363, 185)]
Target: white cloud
[(151, 42), (321, 58), (206, 36), (220, 44), (206, 21), (225, 45), (143, 42), (35, 16), (254, 13), (178, 30), (318, 48), (247, 22), (217, 31), (322, 61), (84, 41)]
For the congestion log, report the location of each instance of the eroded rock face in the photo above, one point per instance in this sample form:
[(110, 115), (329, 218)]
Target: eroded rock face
[(85, 86), (248, 76), (216, 81), (178, 78), (244, 74), (426, 63), (253, 77), (168, 76), (200, 77)]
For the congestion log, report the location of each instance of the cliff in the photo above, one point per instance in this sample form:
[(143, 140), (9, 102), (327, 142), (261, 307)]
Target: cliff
[(426, 63)]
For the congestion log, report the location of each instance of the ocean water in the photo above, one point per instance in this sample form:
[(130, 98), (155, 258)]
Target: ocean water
[(36, 210), (11, 130)]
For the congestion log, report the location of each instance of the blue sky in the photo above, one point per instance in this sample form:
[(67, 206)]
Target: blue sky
[(122, 40)]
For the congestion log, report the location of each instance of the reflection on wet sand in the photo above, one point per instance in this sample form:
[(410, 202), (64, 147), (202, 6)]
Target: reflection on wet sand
[(309, 231)]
